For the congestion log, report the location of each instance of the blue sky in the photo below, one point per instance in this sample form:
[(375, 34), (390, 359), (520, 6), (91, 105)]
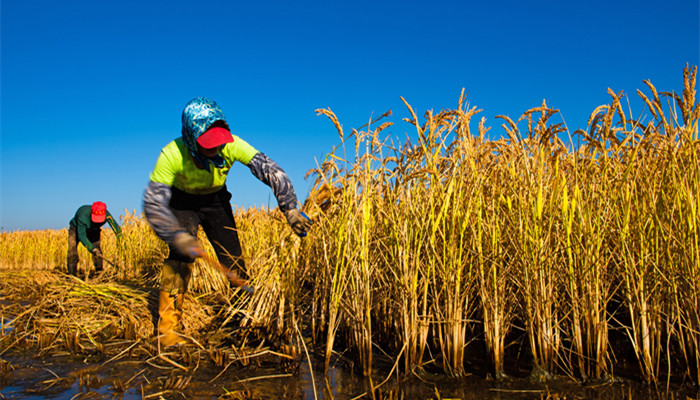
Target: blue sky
[(92, 90)]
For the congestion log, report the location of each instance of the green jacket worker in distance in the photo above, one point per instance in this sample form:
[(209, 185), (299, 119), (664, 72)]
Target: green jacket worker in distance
[(85, 227), (187, 189)]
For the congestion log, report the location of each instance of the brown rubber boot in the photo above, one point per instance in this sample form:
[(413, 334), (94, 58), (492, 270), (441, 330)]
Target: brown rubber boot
[(169, 321)]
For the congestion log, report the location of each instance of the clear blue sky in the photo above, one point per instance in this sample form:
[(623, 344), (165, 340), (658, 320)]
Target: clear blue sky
[(92, 90)]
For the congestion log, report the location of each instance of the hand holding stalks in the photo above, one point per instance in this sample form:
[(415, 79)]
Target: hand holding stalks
[(299, 221), (186, 244)]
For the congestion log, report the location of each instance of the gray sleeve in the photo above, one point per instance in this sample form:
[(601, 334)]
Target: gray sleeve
[(156, 208), (273, 176)]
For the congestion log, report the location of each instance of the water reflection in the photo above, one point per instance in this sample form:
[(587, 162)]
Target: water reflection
[(6, 325), (63, 379)]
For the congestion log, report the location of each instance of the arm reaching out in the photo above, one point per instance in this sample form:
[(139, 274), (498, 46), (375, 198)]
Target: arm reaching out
[(156, 202)]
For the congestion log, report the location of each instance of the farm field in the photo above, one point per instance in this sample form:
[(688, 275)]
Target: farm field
[(451, 266)]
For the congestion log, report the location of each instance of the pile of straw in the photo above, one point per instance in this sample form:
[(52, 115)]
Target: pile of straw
[(66, 313)]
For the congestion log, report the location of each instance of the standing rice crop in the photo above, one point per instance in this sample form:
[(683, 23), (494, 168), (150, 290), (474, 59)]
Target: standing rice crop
[(468, 231), (496, 273)]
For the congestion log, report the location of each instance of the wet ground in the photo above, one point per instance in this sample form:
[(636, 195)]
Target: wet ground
[(29, 374), (24, 376)]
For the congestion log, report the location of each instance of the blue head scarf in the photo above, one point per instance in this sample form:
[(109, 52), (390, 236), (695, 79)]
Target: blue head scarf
[(198, 116)]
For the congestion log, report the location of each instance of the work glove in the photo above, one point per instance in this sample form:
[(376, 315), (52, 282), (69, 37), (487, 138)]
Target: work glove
[(299, 222), (187, 245), (97, 252)]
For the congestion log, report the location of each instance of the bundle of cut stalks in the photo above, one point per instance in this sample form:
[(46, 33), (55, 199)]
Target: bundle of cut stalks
[(70, 314)]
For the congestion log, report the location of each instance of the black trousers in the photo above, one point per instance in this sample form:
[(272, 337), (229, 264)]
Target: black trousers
[(213, 213), (93, 236)]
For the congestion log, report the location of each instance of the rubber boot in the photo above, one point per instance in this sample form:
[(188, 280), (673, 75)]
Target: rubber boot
[(169, 321)]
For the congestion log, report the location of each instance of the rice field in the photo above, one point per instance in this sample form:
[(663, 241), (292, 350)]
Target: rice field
[(572, 260)]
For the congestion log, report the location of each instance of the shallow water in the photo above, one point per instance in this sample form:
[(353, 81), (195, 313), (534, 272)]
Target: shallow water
[(5, 325), (59, 377)]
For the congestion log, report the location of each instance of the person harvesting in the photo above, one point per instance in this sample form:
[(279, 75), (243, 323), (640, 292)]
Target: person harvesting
[(187, 189), (85, 228)]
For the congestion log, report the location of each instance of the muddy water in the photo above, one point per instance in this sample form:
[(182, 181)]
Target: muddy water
[(25, 376)]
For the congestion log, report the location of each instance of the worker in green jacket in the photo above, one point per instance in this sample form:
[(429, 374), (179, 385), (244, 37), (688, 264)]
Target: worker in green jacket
[(85, 227)]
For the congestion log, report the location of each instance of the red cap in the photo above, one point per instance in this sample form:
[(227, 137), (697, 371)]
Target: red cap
[(214, 137), (98, 212)]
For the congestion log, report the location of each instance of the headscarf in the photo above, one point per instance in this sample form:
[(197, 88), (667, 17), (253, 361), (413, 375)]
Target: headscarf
[(198, 116)]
